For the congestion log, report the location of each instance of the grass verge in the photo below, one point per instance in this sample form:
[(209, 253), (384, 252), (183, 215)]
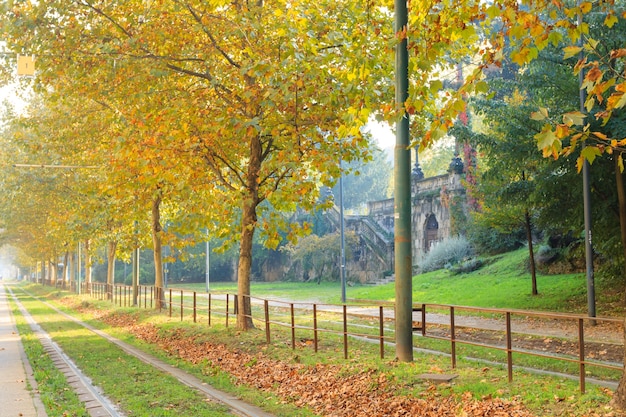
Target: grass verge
[(137, 388), (56, 394), (542, 395)]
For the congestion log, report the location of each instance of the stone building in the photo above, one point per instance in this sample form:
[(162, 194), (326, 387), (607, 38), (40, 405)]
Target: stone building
[(431, 221)]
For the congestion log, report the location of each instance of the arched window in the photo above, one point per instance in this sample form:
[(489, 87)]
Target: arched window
[(431, 232)]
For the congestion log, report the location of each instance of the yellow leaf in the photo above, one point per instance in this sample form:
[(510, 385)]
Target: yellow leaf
[(562, 131), (539, 115), (610, 20), (574, 118), (546, 138), (585, 7), (520, 57), (601, 135), (570, 51)]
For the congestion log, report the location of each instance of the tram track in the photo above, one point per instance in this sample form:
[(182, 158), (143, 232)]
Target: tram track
[(95, 401)]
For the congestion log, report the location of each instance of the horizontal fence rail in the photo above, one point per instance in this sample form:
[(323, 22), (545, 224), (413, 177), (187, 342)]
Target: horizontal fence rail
[(307, 324)]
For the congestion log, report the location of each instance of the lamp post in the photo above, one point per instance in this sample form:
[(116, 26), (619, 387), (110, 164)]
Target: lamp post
[(343, 241), (591, 292), (136, 256), (402, 195), (207, 260), (79, 267)]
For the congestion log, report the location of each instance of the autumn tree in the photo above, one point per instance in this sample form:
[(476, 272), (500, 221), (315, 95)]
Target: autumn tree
[(269, 96), (528, 29)]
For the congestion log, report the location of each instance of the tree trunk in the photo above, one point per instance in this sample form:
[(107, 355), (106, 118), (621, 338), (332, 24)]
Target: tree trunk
[(53, 272), (157, 248), (87, 267), (531, 253), (72, 266), (111, 269), (619, 398), (244, 309), (248, 227), (66, 259)]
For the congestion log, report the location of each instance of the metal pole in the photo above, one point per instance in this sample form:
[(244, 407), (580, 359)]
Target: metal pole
[(343, 240), (78, 277), (402, 195), (591, 291), (207, 251), (135, 276)]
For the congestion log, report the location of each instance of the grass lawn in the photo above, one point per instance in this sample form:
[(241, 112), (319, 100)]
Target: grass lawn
[(239, 362), (504, 282)]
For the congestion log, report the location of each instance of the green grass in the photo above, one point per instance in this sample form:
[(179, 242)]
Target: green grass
[(544, 395), (504, 282), (138, 388), (58, 398)]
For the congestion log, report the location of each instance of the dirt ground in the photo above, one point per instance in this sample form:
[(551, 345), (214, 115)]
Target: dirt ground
[(602, 342)]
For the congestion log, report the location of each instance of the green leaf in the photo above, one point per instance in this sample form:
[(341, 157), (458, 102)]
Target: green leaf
[(590, 153), (546, 138), (436, 86)]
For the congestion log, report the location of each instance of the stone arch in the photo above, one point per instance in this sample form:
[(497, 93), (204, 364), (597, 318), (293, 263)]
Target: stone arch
[(431, 232)]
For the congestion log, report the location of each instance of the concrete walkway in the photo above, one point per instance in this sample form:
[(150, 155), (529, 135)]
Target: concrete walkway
[(16, 400)]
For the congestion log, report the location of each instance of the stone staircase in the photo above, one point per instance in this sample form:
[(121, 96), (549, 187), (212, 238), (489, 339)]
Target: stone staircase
[(382, 281)]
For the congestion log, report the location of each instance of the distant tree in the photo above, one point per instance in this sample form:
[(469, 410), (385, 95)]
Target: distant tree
[(317, 258), (365, 181)]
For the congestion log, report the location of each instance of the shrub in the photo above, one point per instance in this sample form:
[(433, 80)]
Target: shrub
[(546, 254), (466, 266), (488, 240), (446, 253)]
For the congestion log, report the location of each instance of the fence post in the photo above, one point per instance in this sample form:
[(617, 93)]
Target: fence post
[(581, 354), (509, 347), (382, 331), (227, 310), (266, 307), (452, 338), (209, 308), (315, 326), (194, 306), (170, 302), (345, 332), (293, 328)]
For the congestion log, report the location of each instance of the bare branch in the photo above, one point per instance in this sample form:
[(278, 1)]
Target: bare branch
[(198, 19)]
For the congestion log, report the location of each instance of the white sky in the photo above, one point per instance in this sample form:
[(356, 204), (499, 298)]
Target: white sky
[(382, 133)]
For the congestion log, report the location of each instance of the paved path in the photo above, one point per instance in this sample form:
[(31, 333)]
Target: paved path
[(15, 371)]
